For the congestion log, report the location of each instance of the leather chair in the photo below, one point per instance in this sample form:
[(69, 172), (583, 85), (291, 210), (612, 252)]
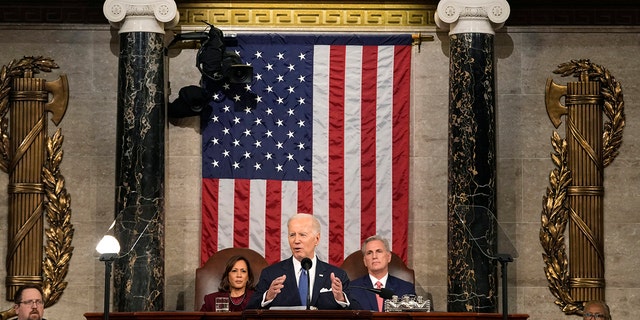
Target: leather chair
[(354, 266), (209, 275)]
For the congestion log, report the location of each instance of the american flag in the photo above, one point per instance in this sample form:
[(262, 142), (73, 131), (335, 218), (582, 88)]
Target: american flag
[(323, 128)]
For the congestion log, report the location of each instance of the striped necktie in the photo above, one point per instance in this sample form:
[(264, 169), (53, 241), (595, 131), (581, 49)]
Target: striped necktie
[(378, 297)]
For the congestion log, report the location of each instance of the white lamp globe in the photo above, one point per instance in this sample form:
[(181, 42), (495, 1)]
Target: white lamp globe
[(108, 245)]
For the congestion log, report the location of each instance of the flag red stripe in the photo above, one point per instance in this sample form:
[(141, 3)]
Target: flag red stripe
[(368, 141), (273, 222), (241, 205), (401, 101), (336, 150), (209, 232), (305, 197)]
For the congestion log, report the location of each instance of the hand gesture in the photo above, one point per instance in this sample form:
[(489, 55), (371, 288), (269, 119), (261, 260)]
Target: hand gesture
[(276, 286), (336, 288)]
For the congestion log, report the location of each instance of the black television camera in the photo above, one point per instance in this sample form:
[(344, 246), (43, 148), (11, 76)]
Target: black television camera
[(215, 63)]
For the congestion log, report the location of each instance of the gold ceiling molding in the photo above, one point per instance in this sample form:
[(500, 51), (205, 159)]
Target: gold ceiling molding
[(378, 15)]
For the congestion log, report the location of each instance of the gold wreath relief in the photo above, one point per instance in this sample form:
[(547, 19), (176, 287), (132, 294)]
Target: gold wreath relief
[(59, 230), (554, 209)]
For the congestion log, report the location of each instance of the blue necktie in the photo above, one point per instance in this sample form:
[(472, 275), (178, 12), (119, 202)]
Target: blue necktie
[(303, 286)]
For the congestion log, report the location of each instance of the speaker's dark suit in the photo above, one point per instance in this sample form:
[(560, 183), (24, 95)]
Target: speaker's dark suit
[(289, 295), (366, 300)]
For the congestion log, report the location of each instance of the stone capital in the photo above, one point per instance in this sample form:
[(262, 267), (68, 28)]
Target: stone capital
[(471, 16), (141, 15)]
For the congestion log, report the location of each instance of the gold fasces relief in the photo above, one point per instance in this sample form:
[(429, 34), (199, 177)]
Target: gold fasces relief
[(360, 15), (39, 204), (573, 201)]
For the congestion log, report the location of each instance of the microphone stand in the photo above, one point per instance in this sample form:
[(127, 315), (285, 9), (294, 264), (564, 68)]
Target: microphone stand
[(384, 293), (306, 264), (308, 291)]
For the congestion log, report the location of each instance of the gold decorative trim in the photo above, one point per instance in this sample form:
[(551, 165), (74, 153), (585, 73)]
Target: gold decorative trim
[(297, 15)]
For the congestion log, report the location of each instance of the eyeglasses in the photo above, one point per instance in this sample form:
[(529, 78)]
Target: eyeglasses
[(590, 315), (37, 302)]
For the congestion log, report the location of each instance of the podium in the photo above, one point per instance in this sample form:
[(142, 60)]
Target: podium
[(300, 315)]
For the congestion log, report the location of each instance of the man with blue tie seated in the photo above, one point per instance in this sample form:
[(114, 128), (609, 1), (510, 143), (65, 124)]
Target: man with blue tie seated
[(287, 283), (377, 256)]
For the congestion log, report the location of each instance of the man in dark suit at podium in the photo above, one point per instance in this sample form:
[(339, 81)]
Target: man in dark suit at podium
[(376, 256), (284, 284)]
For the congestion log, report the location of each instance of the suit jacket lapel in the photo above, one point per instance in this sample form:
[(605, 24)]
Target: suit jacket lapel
[(372, 297), (290, 283), (319, 281), (391, 284)]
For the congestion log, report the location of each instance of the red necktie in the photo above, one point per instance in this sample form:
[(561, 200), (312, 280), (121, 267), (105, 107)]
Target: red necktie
[(378, 297)]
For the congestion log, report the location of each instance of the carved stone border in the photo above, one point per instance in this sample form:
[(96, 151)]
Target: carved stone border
[(523, 13), (297, 15)]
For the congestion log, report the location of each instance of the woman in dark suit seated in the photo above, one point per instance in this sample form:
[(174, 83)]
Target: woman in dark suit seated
[(237, 284)]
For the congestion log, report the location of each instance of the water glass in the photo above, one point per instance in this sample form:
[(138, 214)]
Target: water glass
[(222, 304)]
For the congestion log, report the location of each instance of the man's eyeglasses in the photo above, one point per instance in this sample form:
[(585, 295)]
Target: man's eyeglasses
[(37, 302), (590, 315)]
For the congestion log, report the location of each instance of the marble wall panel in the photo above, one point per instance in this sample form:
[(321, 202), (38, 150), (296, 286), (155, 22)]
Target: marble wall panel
[(621, 188), (523, 127), (534, 187), (430, 99), (509, 189)]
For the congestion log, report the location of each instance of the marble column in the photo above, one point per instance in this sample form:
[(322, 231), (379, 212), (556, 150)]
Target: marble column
[(472, 227), (140, 151)]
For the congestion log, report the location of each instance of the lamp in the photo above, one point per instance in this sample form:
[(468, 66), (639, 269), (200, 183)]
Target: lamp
[(108, 247)]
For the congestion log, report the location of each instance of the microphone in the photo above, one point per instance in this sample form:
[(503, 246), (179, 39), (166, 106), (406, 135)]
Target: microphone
[(306, 264), (384, 293)]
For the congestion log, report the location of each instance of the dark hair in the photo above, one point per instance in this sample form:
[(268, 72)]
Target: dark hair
[(17, 298), (224, 282)]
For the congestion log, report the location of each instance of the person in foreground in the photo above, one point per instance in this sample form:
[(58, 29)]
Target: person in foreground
[(376, 257), (596, 310), (278, 283), (236, 283), (29, 303)]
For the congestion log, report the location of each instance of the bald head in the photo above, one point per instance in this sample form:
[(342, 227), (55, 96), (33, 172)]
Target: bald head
[(596, 307)]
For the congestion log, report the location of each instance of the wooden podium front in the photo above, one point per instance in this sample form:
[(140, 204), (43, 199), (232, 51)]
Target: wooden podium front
[(300, 315), (365, 314)]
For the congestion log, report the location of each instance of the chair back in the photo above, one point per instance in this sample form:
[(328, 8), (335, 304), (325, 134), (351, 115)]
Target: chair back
[(209, 275), (354, 266)]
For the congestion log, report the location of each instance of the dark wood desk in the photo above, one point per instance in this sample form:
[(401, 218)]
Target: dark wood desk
[(300, 315), (363, 314)]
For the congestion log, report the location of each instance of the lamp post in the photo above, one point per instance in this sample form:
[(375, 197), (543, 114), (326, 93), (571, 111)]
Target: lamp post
[(108, 247)]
